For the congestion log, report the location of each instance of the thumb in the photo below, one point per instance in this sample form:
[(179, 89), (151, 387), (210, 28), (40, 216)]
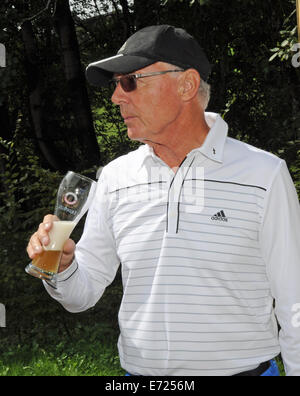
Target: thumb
[(69, 247), (68, 255)]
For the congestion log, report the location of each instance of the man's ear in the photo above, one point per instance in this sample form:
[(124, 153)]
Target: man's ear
[(189, 84)]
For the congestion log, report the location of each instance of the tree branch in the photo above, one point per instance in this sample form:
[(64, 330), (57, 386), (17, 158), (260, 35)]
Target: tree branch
[(36, 16)]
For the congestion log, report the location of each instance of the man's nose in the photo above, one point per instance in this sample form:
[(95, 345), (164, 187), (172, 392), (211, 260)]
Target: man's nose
[(119, 95)]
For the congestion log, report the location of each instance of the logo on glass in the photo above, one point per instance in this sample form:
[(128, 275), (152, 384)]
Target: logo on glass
[(70, 198)]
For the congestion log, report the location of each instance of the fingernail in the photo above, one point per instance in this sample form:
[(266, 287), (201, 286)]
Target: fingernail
[(47, 226), (45, 241), (37, 248)]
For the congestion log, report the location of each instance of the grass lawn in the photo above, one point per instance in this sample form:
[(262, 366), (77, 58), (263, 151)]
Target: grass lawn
[(81, 359), (85, 350)]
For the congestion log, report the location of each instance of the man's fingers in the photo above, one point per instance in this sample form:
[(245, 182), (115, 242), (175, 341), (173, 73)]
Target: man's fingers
[(48, 221), (41, 237), (34, 246), (50, 218), (43, 233)]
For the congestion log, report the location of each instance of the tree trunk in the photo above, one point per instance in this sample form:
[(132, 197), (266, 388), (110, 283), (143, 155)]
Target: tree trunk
[(5, 124), (35, 96), (84, 127)]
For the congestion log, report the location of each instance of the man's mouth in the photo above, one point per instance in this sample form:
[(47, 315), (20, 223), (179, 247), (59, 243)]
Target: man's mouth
[(128, 118)]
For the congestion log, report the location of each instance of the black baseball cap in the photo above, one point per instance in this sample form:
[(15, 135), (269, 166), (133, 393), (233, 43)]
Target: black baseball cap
[(160, 43)]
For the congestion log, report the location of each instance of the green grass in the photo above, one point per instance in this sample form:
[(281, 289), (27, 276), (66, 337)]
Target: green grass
[(82, 359), (280, 366), (84, 350)]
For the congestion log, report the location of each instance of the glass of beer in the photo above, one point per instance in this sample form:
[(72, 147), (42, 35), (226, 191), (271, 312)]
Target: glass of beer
[(74, 198)]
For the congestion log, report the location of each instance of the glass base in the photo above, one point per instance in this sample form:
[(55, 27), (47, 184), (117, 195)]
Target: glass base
[(39, 273)]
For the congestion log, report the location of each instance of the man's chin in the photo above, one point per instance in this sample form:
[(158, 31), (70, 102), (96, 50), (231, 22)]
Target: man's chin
[(142, 139), (136, 137), (145, 141), (133, 135)]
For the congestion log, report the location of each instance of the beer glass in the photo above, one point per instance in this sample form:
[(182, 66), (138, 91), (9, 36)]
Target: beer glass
[(74, 197)]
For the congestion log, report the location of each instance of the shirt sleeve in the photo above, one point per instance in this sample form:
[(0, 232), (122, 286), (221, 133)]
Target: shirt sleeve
[(280, 244), (81, 285)]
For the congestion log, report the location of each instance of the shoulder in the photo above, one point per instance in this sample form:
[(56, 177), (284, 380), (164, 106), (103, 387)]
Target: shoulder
[(255, 165), (247, 153), (133, 158), (121, 171), (250, 153)]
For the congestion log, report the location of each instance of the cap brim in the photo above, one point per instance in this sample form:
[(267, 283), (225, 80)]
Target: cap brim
[(99, 73)]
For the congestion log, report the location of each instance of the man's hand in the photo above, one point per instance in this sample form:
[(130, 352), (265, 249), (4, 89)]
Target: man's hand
[(41, 237)]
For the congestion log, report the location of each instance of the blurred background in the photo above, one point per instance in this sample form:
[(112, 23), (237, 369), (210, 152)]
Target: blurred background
[(52, 121)]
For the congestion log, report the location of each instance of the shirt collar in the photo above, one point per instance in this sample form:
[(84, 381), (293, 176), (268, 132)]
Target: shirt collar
[(213, 146)]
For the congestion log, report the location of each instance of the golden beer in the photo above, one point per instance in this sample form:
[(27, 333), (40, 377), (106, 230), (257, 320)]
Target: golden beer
[(47, 262)]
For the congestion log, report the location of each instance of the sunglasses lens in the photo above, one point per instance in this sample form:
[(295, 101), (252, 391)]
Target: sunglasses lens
[(128, 83)]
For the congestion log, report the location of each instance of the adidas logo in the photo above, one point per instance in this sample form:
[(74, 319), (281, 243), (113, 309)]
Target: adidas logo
[(220, 216)]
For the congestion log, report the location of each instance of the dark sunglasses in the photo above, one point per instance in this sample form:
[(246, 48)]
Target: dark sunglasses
[(128, 81)]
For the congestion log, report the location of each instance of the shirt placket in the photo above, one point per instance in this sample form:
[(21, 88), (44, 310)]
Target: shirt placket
[(174, 195)]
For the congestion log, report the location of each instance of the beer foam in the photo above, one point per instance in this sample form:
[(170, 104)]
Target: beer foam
[(59, 234)]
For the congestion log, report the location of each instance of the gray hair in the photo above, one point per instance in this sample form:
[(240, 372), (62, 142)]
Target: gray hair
[(203, 92)]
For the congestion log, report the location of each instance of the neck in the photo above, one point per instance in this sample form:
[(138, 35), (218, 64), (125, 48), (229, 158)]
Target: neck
[(173, 145)]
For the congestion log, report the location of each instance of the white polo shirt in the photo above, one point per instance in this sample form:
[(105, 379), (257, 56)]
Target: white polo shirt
[(204, 253)]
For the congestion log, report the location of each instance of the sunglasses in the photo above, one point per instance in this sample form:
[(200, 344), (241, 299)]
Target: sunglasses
[(128, 81)]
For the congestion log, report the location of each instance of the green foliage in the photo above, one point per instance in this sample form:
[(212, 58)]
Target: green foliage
[(28, 190), (288, 38), (27, 193), (110, 130)]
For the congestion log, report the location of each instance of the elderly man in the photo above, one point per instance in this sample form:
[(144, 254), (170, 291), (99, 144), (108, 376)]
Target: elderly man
[(206, 228)]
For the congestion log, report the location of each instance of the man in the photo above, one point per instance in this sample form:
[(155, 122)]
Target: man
[(205, 227)]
